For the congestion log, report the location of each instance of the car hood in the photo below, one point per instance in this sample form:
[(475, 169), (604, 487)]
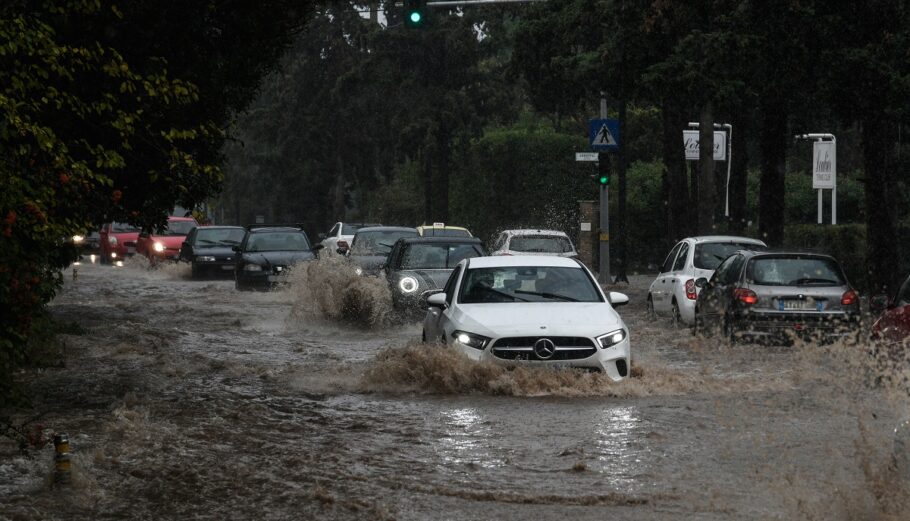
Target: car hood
[(171, 242), (369, 263), (218, 251), (589, 319), (281, 258)]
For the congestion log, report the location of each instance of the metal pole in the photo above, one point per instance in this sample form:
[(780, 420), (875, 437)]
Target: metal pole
[(603, 272), (834, 190), (729, 163), (819, 206)]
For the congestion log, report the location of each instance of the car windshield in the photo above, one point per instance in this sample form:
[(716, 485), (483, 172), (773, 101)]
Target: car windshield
[(210, 237), (709, 255), (445, 232), (540, 244), (176, 228), (795, 271), (123, 228), (277, 241), (351, 229), (527, 284), (378, 242), (436, 256)]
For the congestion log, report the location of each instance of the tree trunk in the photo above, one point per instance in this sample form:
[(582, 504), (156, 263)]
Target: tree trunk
[(677, 198), (773, 148), (621, 241), (739, 176), (707, 195), (881, 236)]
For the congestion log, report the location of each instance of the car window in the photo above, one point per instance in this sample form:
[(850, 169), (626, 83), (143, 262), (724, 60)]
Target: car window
[(378, 242), (351, 229), (176, 228), (499, 242), (334, 231), (277, 241), (709, 255), (450, 285), (211, 237), (681, 257), (436, 256), (903, 296), (720, 273), (795, 271), (445, 232), (527, 284), (123, 228), (731, 275), (668, 262), (540, 244)]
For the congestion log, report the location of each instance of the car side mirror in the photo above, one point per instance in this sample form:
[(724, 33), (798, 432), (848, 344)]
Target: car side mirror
[(437, 300), (879, 303), (701, 282), (317, 247), (235, 249), (618, 299), (185, 244), (144, 235)]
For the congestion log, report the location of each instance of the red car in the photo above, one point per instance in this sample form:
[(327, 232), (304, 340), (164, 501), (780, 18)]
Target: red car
[(165, 243), (894, 323), (118, 240)]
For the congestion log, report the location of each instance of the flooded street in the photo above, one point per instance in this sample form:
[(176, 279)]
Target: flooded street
[(188, 399)]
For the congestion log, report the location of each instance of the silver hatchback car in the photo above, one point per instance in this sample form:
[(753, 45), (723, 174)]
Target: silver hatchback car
[(777, 296)]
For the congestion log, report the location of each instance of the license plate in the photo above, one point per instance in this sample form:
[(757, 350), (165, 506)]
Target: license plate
[(796, 304), (131, 249), (227, 267)]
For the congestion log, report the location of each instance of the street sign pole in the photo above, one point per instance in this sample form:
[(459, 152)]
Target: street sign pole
[(824, 170), (603, 273)]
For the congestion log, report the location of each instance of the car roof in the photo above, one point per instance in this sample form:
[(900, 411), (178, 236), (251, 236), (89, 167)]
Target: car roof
[(445, 227), (787, 253), (534, 231), (441, 240), (176, 219), (220, 227), (269, 229), (524, 260), (724, 238), (387, 229)]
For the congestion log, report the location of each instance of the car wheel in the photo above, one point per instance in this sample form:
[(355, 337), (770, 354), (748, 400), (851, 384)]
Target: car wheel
[(698, 327), (651, 314), (423, 336), (677, 318), (194, 271), (728, 331)]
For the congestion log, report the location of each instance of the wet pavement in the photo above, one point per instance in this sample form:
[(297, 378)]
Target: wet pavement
[(188, 399)]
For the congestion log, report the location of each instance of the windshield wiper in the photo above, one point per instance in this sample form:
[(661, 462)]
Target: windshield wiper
[(207, 241), (809, 280), (547, 295), (504, 294)]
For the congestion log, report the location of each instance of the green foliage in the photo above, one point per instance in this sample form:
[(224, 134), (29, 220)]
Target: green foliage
[(846, 242)]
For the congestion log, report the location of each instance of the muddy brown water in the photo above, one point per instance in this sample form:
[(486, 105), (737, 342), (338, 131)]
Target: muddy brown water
[(186, 399)]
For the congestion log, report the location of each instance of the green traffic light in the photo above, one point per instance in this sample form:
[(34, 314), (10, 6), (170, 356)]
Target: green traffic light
[(604, 180), (415, 17)]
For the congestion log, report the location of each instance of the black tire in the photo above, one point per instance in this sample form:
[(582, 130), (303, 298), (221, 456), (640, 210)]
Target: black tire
[(423, 336), (728, 330), (650, 313), (698, 328), (677, 318), (194, 271)]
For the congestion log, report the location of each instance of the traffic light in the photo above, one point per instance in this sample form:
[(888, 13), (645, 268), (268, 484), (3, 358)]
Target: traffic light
[(603, 169), (603, 179), (414, 12)]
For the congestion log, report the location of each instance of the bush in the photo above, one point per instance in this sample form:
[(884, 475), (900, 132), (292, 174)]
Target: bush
[(845, 242)]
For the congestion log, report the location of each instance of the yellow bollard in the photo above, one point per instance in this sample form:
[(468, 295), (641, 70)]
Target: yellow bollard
[(62, 464)]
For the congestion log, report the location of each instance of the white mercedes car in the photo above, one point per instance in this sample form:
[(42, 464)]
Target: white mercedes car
[(530, 310)]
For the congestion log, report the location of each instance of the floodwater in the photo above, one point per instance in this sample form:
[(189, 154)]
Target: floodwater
[(188, 399)]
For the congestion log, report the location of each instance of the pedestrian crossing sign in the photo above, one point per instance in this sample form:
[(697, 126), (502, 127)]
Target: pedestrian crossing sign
[(604, 134)]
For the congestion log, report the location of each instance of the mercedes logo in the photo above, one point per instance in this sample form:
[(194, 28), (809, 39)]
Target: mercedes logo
[(544, 348)]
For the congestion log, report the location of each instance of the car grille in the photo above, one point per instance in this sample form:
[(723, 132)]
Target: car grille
[(129, 244), (522, 348)]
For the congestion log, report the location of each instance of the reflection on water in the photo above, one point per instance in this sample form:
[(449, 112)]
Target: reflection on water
[(621, 444), (467, 439)]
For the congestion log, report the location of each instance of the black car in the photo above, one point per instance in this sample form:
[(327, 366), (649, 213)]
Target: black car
[(267, 253), (210, 249), (422, 264), (371, 246), (777, 295)]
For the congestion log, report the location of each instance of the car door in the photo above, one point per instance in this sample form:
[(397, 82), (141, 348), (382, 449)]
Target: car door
[(434, 323), (186, 249), (677, 276), (714, 298), (659, 289)]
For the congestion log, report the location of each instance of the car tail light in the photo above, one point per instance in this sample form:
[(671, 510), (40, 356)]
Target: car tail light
[(746, 296), (343, 244), (849, 298), (691, 292)]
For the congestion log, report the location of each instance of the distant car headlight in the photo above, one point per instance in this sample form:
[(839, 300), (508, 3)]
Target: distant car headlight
[(78, 238), (408, 285), (158, 247), (252, 267), (112, 240), (612, 338), (470, 339), (359, 271), (205, 258)]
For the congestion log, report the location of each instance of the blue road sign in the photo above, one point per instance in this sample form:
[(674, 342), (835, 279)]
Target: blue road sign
[(603, 134)]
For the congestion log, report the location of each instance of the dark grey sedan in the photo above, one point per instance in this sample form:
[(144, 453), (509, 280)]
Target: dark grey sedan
[(209, 249), (423, 264), (371, 246), (777, 296)]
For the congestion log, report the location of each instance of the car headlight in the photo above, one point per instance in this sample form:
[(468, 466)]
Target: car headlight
[(158, 247), (252, 267), (470, 339), (612, 338), (112, 240), (78, 238), (407, 285), (205, 258), (359, 271)]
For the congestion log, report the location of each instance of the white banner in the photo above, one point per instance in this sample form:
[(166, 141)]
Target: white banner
[(824, 165), (690, 140)]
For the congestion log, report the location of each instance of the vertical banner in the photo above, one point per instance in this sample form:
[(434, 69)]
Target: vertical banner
[(824, 165)]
